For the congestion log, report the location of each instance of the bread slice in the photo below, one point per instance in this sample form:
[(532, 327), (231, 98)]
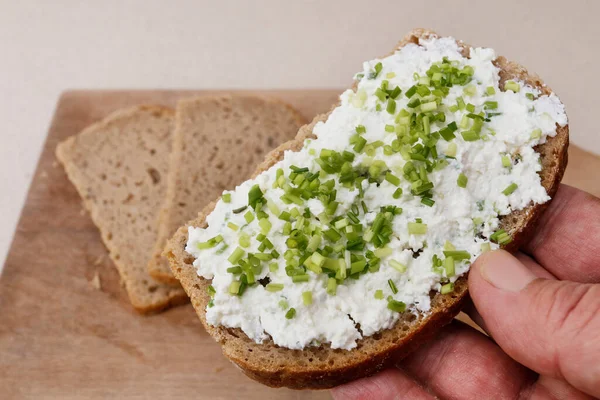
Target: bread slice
[(217, 143), (322, 367), (119, 167)]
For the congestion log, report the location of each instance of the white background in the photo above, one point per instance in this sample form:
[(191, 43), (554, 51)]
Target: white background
[(49, 46)]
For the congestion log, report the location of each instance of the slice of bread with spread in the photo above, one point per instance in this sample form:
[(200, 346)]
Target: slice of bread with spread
[(119, 167), (321, 364), (217, 143)]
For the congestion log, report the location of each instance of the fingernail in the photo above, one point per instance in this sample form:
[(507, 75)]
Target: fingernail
[(502, 270)]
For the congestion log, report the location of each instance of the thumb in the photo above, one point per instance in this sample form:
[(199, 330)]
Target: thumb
[(552, 327)]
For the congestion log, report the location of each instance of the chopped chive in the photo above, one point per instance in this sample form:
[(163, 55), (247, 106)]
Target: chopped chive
[(379, 294), (458, 254), (300, 278), (211, 290), (235, 270), (447, 288), (469, 136), (226, 198), (249, 217), (360, 129), (273, 267), (274, 287), (510, 189), (244, 240), (427, 107), (501, 237), (307, 298), (392, 286), (390, 75), (391, 106), (389, 128), (462, 180), (490, 105), (449, 266), (506, 161), (265, 226), (451, 150), (490, 90), (255, 196), (383, 252), (470, 108), (232, 226), (391, 178), (291, 313), (429, 202), (397, 193), (530, 96), (236, 255), (417, 228), (396, 306), (513, 86), (234, 287), (397, 266), (485, 247), (331, 286), (536, 134), (239, 210)]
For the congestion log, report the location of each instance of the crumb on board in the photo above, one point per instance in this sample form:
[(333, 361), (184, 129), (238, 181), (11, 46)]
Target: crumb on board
[(98, 260), (96, 284)]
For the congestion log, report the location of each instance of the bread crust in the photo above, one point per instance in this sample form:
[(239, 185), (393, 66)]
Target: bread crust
[(323, 367)]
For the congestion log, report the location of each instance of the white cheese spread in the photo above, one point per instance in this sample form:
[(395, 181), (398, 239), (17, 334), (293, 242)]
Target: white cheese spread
[(495, 162)]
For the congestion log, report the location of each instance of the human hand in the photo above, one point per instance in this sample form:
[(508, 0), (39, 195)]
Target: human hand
[(542, 309)]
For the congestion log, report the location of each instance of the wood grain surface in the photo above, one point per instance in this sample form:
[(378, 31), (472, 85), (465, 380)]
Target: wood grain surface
[(66, 327)]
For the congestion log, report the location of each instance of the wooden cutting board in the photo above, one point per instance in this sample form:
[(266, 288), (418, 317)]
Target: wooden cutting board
[(66, 327)]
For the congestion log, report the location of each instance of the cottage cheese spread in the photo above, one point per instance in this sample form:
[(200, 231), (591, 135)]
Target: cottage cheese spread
[(476, 178)]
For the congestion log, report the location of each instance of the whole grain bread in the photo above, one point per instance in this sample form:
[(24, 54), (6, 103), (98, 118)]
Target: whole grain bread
[(119, 167), (322, 367), (217, 143)]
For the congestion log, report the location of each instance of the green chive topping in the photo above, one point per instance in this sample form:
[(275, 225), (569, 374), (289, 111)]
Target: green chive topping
[(331, 286), (447, 288), (512, 86), (506, 163), (462, 180), (396, 306), (458, 254), (510, 189), (274, 287), (307, 298), (449, 266), (236, 255), (392, 286), (379, 294), (397, 266), (501, 237), (226, 198), (291, 313), (416, 228), (255, 196)]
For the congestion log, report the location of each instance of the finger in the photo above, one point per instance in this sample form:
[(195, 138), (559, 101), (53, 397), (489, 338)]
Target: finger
[(551, 388), (388, 384), (567, 238), (549, 326), (534, 267), (464, 364), (530, 263)]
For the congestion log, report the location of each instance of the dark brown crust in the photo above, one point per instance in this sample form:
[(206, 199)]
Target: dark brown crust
[(368, 358)]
